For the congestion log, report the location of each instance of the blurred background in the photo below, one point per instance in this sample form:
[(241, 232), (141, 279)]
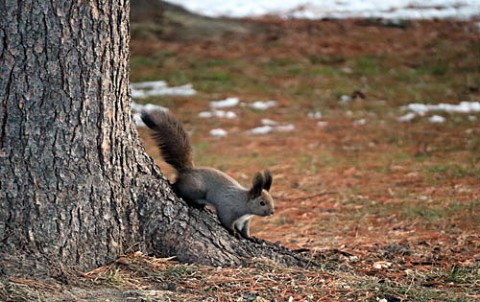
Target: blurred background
[(366, 112)]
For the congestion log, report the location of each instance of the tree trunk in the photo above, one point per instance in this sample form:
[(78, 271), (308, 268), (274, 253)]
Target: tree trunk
[(76, 187)]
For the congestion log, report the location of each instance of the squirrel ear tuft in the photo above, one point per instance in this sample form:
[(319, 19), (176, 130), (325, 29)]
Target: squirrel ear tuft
[(268, 180), (258, 184)]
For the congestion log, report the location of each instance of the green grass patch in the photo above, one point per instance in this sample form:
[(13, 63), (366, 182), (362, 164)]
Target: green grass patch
[(369, 66), (452, 171)]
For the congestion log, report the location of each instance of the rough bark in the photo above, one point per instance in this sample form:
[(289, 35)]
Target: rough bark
[(76, 187), (66, 137)]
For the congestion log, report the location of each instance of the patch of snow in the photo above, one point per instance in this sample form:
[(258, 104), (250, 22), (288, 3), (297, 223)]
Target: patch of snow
[(158, 88), (285, 128), (344, 99), (318, 9), (234, 101), (263, 105), (462, 107), (146, 107), (360, 122), (218, 132), (228, 102), (407, 117), (230, 115), (206, 114), (472, 118), (419, 109), (322, 124), (314, 115), (268, 122), (218, 113), (262, 130), (437, 119), (269, 127)]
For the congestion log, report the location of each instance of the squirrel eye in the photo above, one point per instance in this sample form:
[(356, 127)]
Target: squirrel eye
[(262, 203)]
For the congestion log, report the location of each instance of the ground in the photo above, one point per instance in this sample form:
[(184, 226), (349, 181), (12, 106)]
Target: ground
[(385, 209), (394, 204)]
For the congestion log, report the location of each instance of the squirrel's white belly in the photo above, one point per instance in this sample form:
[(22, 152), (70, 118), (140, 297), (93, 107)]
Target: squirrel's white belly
[(240, 222)]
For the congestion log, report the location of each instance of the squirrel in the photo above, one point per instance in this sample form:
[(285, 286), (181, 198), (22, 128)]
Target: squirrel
[(199, 186)]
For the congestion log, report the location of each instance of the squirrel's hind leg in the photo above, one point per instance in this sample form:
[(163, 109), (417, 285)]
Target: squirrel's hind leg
[(194, 197), (194, 203)]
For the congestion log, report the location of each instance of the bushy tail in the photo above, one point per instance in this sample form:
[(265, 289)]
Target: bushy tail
[(171, 138)]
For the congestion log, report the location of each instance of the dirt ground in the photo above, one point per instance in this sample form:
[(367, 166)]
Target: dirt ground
[(389, 210)]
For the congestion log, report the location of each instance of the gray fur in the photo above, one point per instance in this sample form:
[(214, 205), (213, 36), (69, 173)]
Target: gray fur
[(234, 204), (231, 201)]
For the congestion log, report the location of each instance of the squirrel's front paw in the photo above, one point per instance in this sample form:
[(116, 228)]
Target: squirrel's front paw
[(234, 233)]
